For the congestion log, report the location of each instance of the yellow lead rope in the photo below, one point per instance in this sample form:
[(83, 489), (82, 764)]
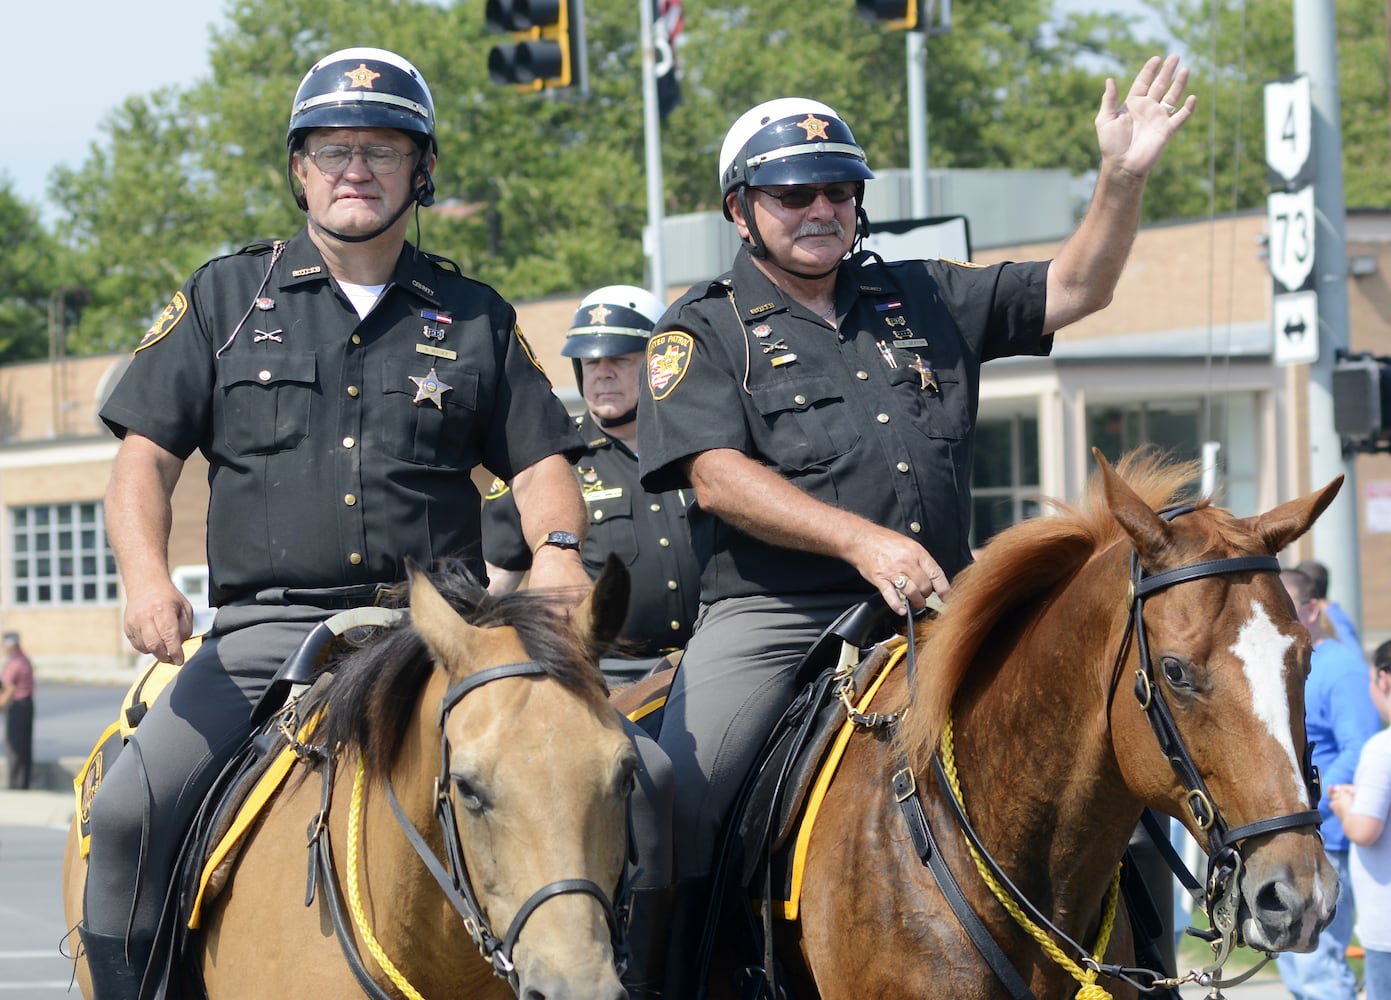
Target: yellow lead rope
[(1086, 977), (355, 896)]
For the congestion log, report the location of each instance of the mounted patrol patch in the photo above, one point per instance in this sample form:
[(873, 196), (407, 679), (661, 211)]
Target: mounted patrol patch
[(526, 349), (168, 319), (497, 490), (668, 358)]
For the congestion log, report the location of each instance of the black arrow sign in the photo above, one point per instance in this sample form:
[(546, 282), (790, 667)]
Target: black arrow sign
[(1295, 328)]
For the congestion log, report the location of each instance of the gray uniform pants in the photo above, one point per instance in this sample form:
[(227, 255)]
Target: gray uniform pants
[(154, 788), (736, 679)]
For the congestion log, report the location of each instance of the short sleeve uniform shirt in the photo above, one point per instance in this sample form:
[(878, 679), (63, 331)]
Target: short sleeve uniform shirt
[(337, 445), (875, 417)]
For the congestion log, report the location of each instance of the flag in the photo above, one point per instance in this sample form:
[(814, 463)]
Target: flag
[(668, 18)]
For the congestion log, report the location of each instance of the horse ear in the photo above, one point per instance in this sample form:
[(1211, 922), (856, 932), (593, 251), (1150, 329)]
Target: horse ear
[(601, 615), (1147, 530), (1285, 523), (443, 629)]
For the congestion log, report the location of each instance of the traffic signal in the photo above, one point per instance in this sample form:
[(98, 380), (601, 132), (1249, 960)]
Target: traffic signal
[(547, 47), (1361, 390), (898, 15)]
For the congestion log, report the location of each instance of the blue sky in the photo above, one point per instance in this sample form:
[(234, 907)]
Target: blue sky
[(68, 64)]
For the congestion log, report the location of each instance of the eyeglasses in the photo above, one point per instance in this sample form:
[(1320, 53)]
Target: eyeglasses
[(803, 195), (380, 160)]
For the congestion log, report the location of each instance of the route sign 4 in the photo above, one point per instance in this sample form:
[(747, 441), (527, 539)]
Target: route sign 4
[(1288, 132)]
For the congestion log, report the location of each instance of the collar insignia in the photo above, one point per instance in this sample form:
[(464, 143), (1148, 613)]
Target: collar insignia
[(301, 272), (756, 310), (361, 77), (424, 288)]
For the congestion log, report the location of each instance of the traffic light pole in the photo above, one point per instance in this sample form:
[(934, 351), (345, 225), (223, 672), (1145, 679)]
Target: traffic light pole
[(915, 44), (652, 130), (1335, 534)]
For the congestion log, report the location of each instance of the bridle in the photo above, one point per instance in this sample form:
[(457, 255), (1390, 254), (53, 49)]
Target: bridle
[(454, 880), (457, 886), (1224, 854), (1222, 894)]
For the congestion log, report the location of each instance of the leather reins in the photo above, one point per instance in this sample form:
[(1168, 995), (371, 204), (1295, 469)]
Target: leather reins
[(452, 875)]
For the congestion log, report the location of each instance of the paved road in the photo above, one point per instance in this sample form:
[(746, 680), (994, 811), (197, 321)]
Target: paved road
[(33, 830)]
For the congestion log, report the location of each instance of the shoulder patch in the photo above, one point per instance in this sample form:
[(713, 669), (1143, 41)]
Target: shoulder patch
[(168, 319), (668, 359), (496, 490), (961, 263), (526, 349)]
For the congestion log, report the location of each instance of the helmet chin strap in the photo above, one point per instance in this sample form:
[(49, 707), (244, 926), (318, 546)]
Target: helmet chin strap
[(618, 421)]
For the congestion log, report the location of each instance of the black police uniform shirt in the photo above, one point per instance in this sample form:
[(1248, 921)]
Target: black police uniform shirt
[(337, 445), (648, 531), (875, 417)]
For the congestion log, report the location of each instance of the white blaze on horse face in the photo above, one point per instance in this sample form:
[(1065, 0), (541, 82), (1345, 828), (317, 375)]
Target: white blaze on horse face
[(1261, 648)]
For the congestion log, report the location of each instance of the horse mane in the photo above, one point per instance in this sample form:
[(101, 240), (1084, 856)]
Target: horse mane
[(1013, 575), (377, 679)]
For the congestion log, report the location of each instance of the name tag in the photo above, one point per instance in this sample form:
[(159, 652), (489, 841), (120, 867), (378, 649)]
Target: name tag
[(437, 352)]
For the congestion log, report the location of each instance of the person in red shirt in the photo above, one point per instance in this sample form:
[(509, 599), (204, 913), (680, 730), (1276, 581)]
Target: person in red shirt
[(17, 699)]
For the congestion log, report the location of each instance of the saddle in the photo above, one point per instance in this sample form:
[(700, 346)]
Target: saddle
[(246, 785)]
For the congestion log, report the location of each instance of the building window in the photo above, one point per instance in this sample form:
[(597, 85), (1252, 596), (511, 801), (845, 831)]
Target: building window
[(1005, 480), (1180, 426), (60, 555)]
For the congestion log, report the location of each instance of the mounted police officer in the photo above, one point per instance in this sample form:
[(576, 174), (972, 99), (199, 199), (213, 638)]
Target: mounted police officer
[(341, 385), (607, 341), (821, 402)]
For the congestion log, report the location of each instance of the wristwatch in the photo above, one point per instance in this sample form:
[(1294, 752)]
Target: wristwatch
[(561, 540)]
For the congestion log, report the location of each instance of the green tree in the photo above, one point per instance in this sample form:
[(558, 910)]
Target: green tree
[(546, 194), (28, 274)]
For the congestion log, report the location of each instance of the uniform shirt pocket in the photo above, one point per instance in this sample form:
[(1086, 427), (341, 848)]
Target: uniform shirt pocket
[(612, 528), (265, 401), (426, 432), (804, 426), (939, 413)]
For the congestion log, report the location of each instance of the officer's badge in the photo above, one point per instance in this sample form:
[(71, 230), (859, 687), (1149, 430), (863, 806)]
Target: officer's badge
[(668, 358), (430, 388), (168, 319), (362, 76), (497, 490), (814, 127)]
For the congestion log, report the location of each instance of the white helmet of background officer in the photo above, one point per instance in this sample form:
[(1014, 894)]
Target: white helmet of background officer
[(613, 320), (790, 140)]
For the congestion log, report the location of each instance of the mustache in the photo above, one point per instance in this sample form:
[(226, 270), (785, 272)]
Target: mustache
[(827, 227)]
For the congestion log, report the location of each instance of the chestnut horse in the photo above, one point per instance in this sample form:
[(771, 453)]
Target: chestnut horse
[(1029, 673), (499, 727)]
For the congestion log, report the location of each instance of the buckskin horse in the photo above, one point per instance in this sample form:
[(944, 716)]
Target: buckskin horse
[(483, 735), (1022, 691)]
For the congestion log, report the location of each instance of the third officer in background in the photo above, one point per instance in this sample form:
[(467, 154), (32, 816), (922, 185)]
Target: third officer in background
[(607, 341)]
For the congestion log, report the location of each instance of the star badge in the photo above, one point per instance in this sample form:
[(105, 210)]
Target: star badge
[(599, 315), (430, 387), (814, 127), (362, 76)]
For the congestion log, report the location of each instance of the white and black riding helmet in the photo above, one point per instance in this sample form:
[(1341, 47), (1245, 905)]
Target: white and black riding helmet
[(613, 320), (364, 87)]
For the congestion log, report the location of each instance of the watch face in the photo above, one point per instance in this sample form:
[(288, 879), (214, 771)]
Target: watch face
[(563, 539)]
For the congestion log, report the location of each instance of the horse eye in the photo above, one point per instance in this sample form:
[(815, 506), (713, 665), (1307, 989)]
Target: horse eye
[(465, 795), (1174, 671)]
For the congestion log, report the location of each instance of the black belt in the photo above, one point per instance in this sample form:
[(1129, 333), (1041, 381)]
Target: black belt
[(329, 598)]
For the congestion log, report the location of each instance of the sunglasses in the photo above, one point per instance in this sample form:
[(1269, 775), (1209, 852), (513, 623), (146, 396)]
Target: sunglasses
[(803, 195)]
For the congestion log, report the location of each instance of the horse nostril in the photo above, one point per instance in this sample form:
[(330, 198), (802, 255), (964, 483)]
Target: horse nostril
[(1271, 899)]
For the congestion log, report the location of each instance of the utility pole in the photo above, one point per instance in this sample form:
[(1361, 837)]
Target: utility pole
[(652, 131), (1335, 533)]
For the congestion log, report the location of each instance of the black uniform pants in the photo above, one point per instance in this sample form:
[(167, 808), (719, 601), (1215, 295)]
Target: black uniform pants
[(19, 741)]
